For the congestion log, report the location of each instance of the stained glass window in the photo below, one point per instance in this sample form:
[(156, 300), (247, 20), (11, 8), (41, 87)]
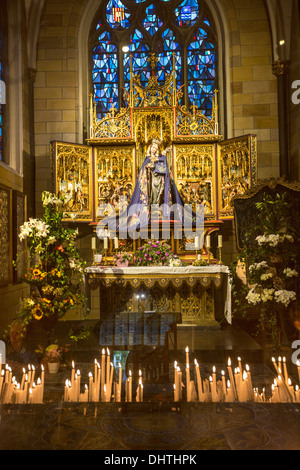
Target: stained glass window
[(151, 22), (105, 74), (140, 54), (201, 71), (164, 27), (117, 14), (187, 13)]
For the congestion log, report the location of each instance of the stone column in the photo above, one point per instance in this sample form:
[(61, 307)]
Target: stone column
[(281, 71)]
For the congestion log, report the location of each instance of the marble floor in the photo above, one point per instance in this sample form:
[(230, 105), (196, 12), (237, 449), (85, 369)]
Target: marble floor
[(158, 424)]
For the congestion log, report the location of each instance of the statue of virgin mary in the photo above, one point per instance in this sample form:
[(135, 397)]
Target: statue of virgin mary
[(155, 195)]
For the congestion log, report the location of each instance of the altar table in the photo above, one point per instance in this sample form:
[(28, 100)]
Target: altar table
[(189, 290)]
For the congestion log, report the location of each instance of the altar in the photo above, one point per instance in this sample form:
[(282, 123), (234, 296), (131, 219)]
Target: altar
[(188, 292)]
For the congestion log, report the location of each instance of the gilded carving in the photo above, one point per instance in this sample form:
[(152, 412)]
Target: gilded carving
[(114, 178), (4, 236), (74, 179)]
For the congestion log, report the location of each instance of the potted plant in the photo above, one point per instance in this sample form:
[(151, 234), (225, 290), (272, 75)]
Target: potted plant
[(122, 259), (53, 358), (153, 253), (54, 270), (270, 261), (98, 257)]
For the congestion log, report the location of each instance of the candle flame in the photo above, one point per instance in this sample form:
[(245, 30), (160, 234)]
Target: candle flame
[(229, 362), (103, 351), (73, 365), (214, 369), (245, 375), (187, 349)]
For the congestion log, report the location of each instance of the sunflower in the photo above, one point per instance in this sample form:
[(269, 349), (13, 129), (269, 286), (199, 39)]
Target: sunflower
[(37, 312)]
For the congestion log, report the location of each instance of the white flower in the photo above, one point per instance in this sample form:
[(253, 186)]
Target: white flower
[(49, 198), (175, 262), (265, 277), (267, 294), (273, 239), (253, 297), (257, 266), (285, 296), (39, 249), (290, 272), (74, 264), (51, 240)]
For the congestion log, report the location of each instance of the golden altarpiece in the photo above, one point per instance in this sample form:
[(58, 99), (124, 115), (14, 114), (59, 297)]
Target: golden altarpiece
[(205, 169)]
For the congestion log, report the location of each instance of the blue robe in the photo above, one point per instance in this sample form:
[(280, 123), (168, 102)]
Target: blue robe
[(154, 189)]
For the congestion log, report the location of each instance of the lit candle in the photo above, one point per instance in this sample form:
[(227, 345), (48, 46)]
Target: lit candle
[(107, 366), (223, 384), (188, 383), (130, 387), (91, 388), (298, 369), (32, 375), (102, 374), (286, 377), (22, 381), (119, 393), (176, 382), (214, 386), (231, 378), (187, 359), (249, 382), (199, 382), (110, 380)]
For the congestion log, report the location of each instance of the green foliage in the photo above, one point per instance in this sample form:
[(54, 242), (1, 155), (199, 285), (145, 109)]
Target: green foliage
[(269, 262), (54, 269)]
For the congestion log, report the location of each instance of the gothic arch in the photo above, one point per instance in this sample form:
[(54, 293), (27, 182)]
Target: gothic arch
[(223, 65)]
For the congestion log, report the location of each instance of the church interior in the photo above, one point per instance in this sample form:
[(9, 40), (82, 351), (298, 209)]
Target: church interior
[(149, 225)]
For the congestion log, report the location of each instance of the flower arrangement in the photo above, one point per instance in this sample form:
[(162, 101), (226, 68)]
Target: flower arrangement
[(122, 256), (55, 268), (53, 353), (271, 267), (200, 262), (153, 253)]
